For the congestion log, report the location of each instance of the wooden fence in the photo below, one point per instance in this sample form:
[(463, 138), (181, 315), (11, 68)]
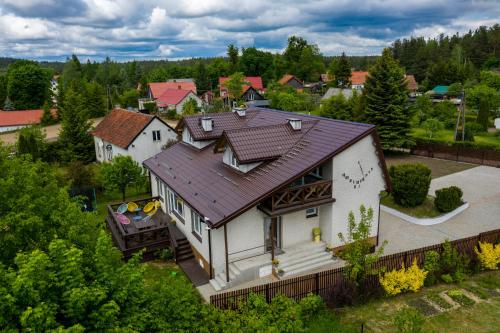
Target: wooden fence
[(324, 283), (458, 153)]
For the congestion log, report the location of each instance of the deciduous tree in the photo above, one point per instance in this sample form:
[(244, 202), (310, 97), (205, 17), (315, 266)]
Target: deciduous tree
[(121, 173)]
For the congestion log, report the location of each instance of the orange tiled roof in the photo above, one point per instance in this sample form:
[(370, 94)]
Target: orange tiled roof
[(358, 77), (22, 117), (158, 88)]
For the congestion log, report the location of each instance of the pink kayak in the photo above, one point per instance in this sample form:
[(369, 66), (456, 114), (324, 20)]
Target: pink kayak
[(122, 218)]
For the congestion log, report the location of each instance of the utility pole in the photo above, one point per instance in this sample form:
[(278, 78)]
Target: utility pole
[(461, 118)]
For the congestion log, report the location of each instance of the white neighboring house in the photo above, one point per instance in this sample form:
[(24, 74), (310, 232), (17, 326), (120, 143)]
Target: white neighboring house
[(174, 99), (130, 133), (249, 186)]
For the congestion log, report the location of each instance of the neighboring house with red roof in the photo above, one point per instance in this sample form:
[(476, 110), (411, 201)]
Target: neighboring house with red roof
[(130, 133), (292, 81), (174, 99), (250, 93), (155, 89), (358, 80), (14, 120), (248, 186)]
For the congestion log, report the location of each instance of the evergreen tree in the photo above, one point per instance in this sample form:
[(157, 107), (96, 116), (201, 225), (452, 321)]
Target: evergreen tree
[(3, 88), (340, 71), (95, 100), (386, 99), (75, 140), (202, 78), (31, 141), (483, 113), (47, 117), (232, 53), (8, 105)]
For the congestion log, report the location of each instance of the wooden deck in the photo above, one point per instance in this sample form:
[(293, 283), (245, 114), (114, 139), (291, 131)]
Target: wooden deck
[(130, 238)]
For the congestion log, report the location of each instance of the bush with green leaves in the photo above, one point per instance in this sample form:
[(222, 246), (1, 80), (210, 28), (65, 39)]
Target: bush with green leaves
[(448, 199), (432, 266), (410, 183), (121, 173), (453, 265), (409, 320)]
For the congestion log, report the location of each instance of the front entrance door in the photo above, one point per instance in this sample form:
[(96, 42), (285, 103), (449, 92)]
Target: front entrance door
[(272, 227)]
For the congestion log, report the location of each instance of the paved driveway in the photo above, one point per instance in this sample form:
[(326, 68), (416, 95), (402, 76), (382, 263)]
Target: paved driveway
[(481, 187)]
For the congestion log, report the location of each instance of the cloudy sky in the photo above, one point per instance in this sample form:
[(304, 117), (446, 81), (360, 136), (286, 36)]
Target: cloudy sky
[(173, 29)]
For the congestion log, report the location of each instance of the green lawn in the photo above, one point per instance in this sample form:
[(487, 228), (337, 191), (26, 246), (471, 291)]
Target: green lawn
[(378, 315), (446, 135), (439, 168), (426, 209)]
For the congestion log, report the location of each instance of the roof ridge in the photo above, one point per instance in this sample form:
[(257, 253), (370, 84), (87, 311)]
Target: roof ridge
[(249, 128)]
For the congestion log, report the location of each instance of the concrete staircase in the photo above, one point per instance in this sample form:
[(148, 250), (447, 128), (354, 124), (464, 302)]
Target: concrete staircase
[(304, 258), (220, 283)]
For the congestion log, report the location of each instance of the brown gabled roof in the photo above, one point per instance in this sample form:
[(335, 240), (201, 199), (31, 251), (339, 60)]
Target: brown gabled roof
[(219, 192), (287, 78), (254, 144), (120, 127), (411, 82)]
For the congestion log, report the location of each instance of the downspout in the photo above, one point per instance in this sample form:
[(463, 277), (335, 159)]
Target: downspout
[(210, 253)]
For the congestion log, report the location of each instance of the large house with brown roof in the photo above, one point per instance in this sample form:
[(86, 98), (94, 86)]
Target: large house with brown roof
[(248, 186), (129, 133)]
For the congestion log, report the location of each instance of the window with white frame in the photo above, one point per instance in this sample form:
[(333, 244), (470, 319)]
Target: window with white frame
[(311, 212), (175, 204), (196, 223), (251, 96), (159, 188), (156, 136), (234, 161)]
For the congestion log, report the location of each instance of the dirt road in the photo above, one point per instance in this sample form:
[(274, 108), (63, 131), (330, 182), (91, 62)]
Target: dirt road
[(51, 132)]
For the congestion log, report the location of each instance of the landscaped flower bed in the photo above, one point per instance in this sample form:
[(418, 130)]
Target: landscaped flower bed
[(458, 296), (438, 300)]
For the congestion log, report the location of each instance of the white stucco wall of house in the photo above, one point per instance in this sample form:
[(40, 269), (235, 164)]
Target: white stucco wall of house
[(190, 96), (333, 218), (142, 148), (11, 128), (296, 228)]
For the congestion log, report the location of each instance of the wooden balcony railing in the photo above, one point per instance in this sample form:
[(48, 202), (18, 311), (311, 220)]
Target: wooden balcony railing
[(298, 197)]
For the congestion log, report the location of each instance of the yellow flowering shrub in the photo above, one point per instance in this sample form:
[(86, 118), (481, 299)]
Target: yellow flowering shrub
[(401, 280), (488, 255)]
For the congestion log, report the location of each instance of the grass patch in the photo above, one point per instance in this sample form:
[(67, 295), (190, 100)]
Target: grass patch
[(478, 291), (458, 296), (156, 270), (422, 306), (447, 136), (438, 167), (378, 315), (438, 300), (426, 209)]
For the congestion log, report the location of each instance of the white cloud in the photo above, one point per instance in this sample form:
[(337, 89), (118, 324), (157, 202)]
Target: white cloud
[(184, 28)]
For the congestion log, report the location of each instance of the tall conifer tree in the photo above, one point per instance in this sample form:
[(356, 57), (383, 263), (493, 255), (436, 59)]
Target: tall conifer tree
[(386, 102)]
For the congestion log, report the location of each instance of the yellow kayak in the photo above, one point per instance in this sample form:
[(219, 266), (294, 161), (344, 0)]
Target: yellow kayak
[(132, 207), (149, 207)]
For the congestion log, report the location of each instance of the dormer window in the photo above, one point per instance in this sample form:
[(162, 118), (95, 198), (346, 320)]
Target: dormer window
[(234, 161)]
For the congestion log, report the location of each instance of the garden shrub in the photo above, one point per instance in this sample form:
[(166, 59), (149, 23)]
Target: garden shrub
[(401, 280), (453, 264), (409, 320), (448, 198), (488, 255), (431, 265), (410, 183)]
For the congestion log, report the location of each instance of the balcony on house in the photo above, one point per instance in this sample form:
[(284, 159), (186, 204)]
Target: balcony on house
[(298, 197)]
